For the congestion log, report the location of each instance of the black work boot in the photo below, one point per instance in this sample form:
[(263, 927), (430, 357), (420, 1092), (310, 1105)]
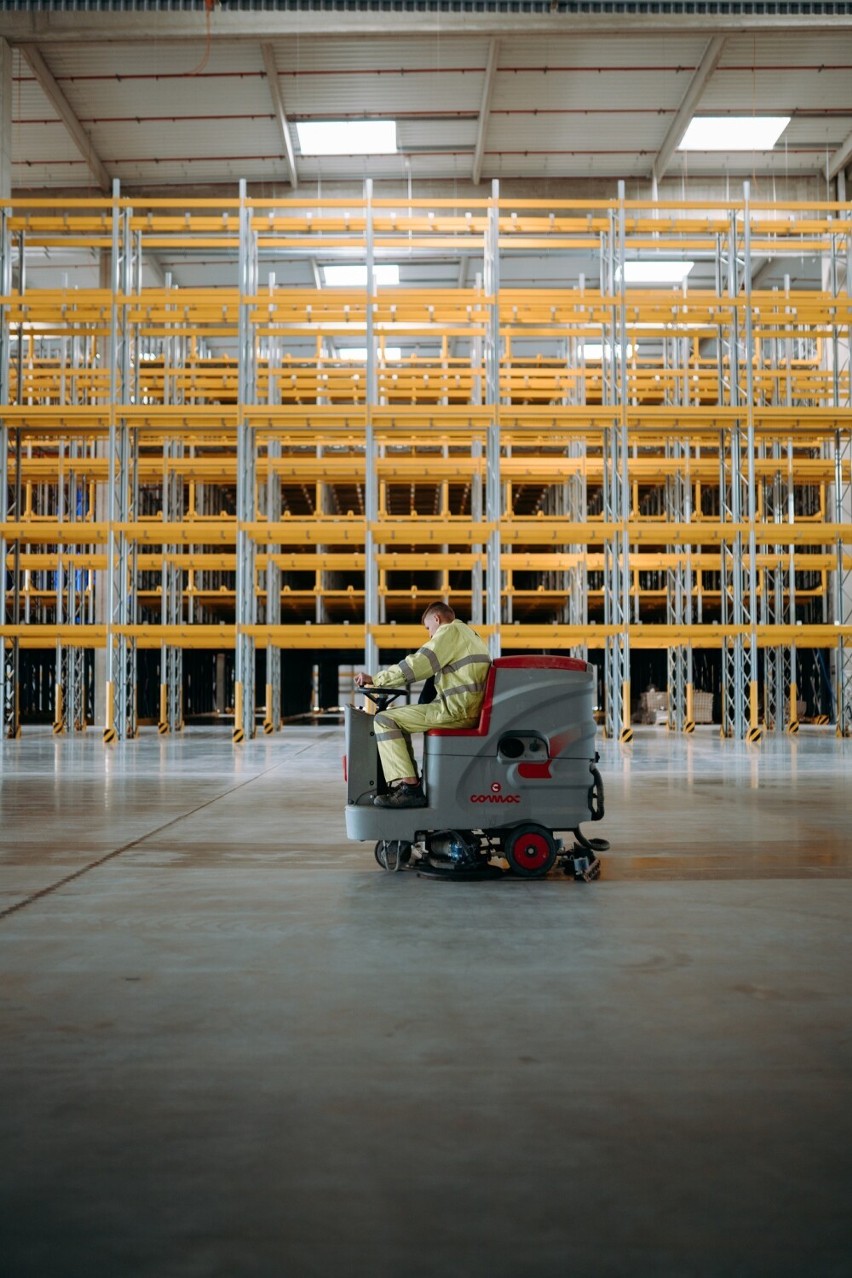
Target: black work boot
[(402, 796)]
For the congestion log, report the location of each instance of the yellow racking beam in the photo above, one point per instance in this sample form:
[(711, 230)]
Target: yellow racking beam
[(416, 531)]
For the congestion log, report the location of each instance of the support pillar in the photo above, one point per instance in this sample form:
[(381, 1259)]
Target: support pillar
[(5, 119), (493, 491), (246, 601), (616, 486)]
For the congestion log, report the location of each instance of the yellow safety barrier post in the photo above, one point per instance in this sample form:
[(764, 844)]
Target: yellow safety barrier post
[(793, 724), (626, 733), (59, 711), (163, 724), (268, 721), (109, 729), (238, 734), (755, 731)]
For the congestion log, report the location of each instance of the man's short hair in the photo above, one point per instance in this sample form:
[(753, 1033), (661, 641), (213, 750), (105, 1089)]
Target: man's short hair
[(438, 609)]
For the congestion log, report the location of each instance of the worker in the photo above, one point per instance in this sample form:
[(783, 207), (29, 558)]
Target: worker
[(458, 659)]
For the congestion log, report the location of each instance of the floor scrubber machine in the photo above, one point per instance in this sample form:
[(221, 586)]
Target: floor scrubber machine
[(499, 796)]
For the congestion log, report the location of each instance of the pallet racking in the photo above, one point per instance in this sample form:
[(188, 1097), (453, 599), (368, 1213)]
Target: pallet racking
[(580, 463)]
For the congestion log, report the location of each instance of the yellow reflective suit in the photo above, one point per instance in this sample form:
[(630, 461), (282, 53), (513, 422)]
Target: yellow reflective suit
[(459, 661)]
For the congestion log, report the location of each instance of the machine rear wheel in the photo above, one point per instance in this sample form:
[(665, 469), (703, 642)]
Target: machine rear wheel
[(530, 851)]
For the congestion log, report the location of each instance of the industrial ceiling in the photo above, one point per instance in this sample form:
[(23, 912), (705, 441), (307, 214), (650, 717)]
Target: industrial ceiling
[(554, 99), (170, 96)]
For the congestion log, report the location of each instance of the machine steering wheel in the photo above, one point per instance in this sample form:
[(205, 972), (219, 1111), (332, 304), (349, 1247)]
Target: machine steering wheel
[(381, 697)]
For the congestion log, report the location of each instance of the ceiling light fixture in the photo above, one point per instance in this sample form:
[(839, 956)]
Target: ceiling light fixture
[(656, 271), (347, 137), (359, 353), (355, 276), (594, 351), (733, 132)]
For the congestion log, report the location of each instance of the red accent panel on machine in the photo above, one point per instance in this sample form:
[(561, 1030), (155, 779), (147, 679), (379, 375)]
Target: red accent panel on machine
[(535, 771), (540, 663)]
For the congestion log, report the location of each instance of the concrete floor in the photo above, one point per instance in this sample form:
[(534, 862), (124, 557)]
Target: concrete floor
[(233, 1048)]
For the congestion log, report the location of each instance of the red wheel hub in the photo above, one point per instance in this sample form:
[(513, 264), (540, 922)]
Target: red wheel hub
[(532, 851)]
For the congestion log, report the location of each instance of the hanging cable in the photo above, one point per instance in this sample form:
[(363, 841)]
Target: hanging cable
[(208, 9)]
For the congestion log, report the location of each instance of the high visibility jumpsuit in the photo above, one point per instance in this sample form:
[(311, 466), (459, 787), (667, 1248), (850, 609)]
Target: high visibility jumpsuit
[(459, 660)]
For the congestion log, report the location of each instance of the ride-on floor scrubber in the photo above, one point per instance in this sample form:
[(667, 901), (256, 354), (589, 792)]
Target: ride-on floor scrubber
[(498, 792)]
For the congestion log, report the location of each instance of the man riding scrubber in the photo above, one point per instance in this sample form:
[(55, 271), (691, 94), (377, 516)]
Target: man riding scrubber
[(458, 660)]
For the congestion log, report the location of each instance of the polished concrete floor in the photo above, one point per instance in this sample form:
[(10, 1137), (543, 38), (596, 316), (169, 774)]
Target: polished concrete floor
[(233, 1048)]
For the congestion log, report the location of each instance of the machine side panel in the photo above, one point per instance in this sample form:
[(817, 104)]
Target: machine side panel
[(483, 792), (362, 757)]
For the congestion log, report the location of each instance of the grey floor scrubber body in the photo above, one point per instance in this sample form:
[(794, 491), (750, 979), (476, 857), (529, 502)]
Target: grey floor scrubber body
[(502, 790)]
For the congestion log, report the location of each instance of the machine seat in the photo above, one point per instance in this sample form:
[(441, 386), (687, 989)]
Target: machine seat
[(506, 663)]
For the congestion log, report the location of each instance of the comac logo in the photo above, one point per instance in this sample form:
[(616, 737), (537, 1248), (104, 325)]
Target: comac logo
[(496, 796)]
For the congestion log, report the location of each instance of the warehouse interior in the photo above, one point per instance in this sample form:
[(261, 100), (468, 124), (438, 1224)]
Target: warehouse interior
[(310, 315)]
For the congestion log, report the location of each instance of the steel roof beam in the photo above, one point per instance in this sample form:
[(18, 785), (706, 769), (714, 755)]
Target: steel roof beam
[(85, 22), (485, 108), (838, 162), (678, 126), (280, 114), (63, 109)]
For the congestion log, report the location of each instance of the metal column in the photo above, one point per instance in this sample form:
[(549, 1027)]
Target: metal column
[(476, 485), (70, 704), (272, 710), (574, 507), (677, 502), (840, 342), (371, 482), (10, 726), (778, 579), (493, 492), (122, 490), (678, 507), (616, 486), (246, 601), (737, 487), (171, 604)]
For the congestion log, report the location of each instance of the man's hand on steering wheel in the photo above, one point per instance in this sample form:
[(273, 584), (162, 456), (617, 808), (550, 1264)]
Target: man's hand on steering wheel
[(363, 680)]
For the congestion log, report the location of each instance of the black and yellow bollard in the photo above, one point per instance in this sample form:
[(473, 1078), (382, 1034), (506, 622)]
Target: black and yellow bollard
[(59, 711), (110, 733), (238, 735)]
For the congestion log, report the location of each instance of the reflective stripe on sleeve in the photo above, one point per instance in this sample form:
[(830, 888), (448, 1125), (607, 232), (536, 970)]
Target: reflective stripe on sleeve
[(432, 659)]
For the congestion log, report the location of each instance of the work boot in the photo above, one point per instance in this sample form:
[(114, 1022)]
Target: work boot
[(402, 796)]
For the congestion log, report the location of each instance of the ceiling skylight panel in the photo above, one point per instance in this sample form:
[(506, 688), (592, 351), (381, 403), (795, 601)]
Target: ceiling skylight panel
[(347, 137), (733, 132)]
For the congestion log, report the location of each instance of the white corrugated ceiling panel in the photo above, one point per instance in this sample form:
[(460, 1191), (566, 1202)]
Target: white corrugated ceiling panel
[(172, 59), (385, 96), (768, 92), (437, 135), (782, 50), (669, 51), (194, 140), (330, 56), (167, 101), (605, 131)]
